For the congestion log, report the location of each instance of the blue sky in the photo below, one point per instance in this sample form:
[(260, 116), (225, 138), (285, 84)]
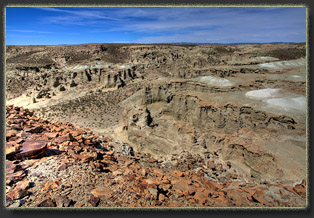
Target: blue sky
[(77, 25)]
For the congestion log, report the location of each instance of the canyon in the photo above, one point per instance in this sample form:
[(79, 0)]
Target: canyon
[(156, 125)]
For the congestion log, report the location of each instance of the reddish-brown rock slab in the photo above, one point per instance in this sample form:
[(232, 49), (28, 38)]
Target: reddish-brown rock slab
[(63, 201), (261, 200), (25, 184), (300, 189), (35, 129), (237, 197), (202, 195), (51, 185), (182, 185), (18, 193), (19, 140), (214, 185), (80, 157), (11, 148), (47, 203), (16, 176), (10, 134), (94, 201), (178, 173), (10, 167), (63, 138), (31, 148), (102, 192), (51, 134)]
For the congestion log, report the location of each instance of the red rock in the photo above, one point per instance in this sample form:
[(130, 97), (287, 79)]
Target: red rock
[(290, 189), (75, 143), (165, 181), (63, 138), (162, 197), (79, 204), (303, 182), (153, 192), (77, 132), (94, 201), (249, 191), (179, 173), (182, 186), (25, 184), (201, 195), (10, 167), (19, 140), (223, 202), (117, 173), (107, 139), (11, 148), (19, 193), (51, 185), (16, 126), (261, 200), (109, 153), (11, 144), (68, 202), (214, 185), (233, 176), (59, 200), (46, 203), (31, 149), (88, 142), (102, 191), (158, 172), (35, 129), (51, 134), (173, 204), (199, 174), (300, 189), (62, 167), (211, 165), (15, 176), (152, 160), (86, 158), (236, 197), (10, 134)]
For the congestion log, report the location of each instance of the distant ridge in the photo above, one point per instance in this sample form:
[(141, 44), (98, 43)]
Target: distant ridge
[(235, 43)]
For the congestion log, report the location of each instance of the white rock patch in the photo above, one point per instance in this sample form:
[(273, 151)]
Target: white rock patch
[(262, 93), (284, 64), (268, 58), (215, 81), (296, 76), (296, 103)]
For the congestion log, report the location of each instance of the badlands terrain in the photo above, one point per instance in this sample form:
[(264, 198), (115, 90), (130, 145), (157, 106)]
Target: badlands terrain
[(127, 125)]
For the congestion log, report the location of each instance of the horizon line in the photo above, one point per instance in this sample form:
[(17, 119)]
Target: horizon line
[(158, 43)]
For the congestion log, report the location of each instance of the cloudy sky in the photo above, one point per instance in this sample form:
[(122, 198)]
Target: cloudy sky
[(77, 25)]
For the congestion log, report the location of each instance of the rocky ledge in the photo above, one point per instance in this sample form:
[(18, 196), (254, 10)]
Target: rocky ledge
[(61, 165)]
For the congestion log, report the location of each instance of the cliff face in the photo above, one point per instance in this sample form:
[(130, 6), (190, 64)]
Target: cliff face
[(46, 83), (169, 122)]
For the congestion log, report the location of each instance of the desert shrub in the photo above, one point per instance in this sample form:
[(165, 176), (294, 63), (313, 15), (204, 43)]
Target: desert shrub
[(287, 53)]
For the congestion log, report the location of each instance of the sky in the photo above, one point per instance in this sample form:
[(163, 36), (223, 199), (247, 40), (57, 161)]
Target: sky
[(78, 25)]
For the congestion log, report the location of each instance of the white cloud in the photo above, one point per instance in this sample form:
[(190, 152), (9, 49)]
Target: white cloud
[(27, 31)]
